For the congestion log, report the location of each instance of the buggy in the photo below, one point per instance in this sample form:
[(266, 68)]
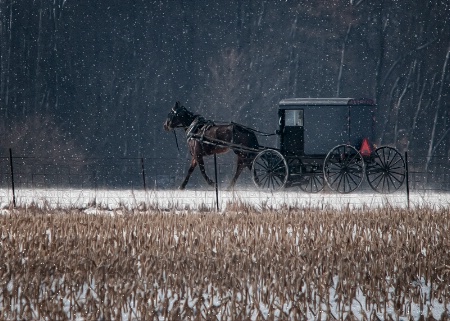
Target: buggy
[(327, 141)]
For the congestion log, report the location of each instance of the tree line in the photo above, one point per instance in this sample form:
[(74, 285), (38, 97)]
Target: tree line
[(103, 74)]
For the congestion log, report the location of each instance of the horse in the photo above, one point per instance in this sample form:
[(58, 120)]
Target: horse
[(205, 138)]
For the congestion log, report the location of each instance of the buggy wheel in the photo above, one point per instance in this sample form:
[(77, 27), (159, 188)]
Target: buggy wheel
[(312, 182), (343, 169), (386, 170), (270, 170)]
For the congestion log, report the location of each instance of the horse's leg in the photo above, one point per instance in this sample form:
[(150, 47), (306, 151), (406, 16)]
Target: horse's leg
[(189, 173), (240, 166), (201, 165)]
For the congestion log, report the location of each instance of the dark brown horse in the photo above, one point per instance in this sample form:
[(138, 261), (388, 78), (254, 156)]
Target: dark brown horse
[(206, 138)]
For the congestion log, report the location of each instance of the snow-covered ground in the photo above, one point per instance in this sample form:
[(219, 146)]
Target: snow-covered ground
[(206, 199), (170, 303)]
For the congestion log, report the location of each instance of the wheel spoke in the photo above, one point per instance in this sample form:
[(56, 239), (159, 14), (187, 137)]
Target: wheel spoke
[(264, 177), (340, 181), (396, 162), (354, 181), (350, 161), (397, 170), (380, 176), (384, 157), (315, 181), (312, 182), (264, 180), (392, 176), (390, 159), (345, 182), (337, 177), (277, 180), (270, 184), (264, 166), (389, 178)]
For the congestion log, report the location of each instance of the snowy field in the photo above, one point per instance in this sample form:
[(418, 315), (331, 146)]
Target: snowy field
[(257, 302), (206, 199)]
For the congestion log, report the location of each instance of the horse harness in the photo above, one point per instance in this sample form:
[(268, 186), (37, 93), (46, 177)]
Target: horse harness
[(202, 125), (199, 126)]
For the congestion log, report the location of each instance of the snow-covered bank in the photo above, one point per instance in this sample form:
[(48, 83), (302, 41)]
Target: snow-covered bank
[(201, 199)]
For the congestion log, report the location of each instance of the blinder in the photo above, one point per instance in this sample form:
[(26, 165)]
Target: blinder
[(177, 115)]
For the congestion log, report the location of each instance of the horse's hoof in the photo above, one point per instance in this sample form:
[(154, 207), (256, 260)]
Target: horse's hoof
[(181, 188)]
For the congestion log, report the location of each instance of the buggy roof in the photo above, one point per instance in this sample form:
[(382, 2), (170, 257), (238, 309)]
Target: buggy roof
[(291, 102)]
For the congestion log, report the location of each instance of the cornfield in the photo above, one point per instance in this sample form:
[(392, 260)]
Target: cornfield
[(243, 264)]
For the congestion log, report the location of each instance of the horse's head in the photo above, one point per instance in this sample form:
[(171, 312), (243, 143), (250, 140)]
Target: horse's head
[(179, 116)]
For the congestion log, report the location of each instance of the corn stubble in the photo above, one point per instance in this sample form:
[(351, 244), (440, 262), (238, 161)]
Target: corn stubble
[(288, 264)]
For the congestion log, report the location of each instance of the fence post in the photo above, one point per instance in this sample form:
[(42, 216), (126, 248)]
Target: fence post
[(407, 178), (143, 173), (12, 177), (217, 183)]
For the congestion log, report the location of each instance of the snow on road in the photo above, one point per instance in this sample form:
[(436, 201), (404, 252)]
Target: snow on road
[(206, 199)]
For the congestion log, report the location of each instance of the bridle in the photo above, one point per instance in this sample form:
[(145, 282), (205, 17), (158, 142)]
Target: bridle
[(171, 115), (174, 113)]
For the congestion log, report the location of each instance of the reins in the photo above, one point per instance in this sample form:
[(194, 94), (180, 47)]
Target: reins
[(199, 120), (176, 141), (260, 133), (255, 130)]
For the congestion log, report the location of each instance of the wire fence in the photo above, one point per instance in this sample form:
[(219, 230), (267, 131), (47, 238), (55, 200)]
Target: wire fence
[(435, 178), (149, 181)]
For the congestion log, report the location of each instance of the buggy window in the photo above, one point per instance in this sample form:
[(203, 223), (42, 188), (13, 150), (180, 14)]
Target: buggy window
[(294, 118)]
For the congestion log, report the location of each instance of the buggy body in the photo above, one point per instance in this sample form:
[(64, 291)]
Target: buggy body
[(328, 141)]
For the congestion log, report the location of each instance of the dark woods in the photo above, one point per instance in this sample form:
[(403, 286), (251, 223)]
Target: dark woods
[(99, 71)]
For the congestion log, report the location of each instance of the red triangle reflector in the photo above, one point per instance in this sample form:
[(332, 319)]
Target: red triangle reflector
[(365, 149)]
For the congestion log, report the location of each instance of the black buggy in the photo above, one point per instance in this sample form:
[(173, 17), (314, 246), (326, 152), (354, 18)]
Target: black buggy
[(327, 140)]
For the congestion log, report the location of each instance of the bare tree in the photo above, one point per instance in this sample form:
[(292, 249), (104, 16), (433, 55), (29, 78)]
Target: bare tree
[(344, 46), (226, 93), (39, 136), (6, 23), (435, 141)]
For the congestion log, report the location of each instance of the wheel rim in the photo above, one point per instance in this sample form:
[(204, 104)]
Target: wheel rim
[(386, 171), (343, 169), (270, 170), (312, 183)]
